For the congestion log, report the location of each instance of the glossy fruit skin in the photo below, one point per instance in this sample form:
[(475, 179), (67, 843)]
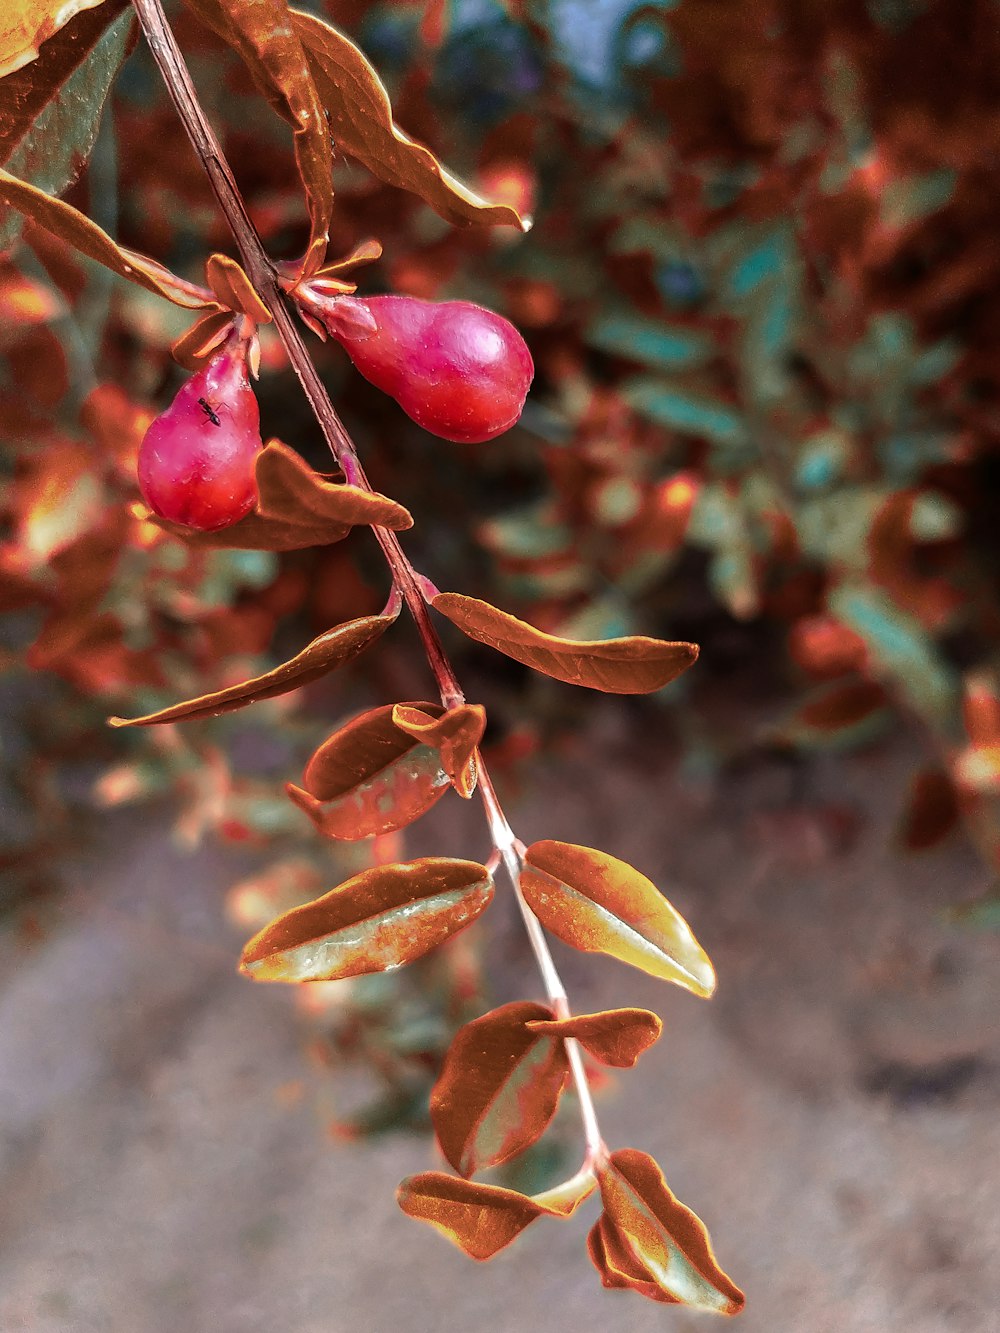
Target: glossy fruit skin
[(460, 371), (196, 461)]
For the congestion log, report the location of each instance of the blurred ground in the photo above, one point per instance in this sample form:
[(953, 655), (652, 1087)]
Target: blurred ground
[(832, 1115)]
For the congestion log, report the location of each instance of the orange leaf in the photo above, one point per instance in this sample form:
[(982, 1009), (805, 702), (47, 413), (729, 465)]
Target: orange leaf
[(650, 1241), (297, 508), (499, 1087), (615, 1037), (60, 499), (77, 230), (335, 648), (32, 83), (362, 126), (205, 336), (981, 710), (634, 665), (234, 289), (602, 905), (365, 252), (369, 777), (376, 921), (479, 1219), (261, 31), (25, 24), (455, 734)]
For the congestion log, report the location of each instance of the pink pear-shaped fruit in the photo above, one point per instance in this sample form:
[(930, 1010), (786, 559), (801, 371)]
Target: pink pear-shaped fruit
[(460, 371), (196, 461)]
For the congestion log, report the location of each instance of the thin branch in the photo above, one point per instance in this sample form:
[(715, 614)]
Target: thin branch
[(262, 273)]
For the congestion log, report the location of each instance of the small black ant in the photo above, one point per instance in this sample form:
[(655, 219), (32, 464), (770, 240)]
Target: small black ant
[(209, 411)]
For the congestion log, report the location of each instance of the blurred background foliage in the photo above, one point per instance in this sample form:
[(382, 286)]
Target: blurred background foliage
[(762, 295)]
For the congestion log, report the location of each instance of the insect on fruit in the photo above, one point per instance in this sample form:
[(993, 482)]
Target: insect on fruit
[(196, 462), (209, 411)]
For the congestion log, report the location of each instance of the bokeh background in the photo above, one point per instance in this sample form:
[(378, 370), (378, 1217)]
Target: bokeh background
[(763, 296)]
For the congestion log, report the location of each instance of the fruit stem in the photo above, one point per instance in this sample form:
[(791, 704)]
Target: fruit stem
[(266, 280)]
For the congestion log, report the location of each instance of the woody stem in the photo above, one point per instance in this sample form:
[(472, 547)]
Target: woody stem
[(264, 277)]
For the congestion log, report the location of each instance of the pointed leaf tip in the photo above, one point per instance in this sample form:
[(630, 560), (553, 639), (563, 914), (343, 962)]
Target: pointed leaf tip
[(599, 904), (632, 665), (362, 125), (331, 650)]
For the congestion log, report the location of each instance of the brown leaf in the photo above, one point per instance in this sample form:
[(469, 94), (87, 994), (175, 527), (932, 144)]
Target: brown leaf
[(77, 230), (843, 705), (479, 1219), (369, 777), (297, 508), (499, 1087), (599, 904), (335, 648), (25, 24), (651, 1242), (234, 289), (634, 665), (455, 734), (376, 921), (615, 1037), (931, 813), (261, 31), (42, 71), (362, 126)]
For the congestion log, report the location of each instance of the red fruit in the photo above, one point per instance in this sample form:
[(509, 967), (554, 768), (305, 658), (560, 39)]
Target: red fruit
[(196, 461), (458, 370)]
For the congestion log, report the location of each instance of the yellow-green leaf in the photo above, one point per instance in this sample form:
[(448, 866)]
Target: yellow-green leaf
[(599, 904), (481, 1220), (25, 24), (455, 734), (50, 109)]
